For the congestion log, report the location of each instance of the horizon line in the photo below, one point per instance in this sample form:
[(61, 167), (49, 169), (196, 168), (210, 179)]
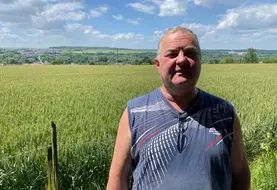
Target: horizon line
[(62, 46)]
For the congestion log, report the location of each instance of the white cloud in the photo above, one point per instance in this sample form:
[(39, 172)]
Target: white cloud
[(7, 1), (4, 30), (118, 17), (12, 36), (146, 8), (123, 36), (55, 16), (212, 3), (87, 30), (139, 37), (76, 34), (44, 23), (101, 36), (62, 11), (116, 37), (20, 11), (232, 38), (40, 14), (272, 31), (96, 32), (205, 3), (99, 11), (79, 15), (5, 36), (74, 26), (127, 36), (132, 21), (199, 29), (90, 32), (250, 17), (35, 33), (157, 34), (171, 7)]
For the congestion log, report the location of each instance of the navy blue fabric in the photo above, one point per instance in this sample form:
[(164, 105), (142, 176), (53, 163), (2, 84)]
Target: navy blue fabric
[(204, 163)]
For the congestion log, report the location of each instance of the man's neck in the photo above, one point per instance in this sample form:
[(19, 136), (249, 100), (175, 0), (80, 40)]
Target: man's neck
[(182, 101)]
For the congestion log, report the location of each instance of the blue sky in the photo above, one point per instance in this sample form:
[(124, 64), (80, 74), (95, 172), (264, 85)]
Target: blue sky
[(219, 24)]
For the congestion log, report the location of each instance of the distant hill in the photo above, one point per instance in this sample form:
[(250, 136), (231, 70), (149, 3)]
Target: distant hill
[(105, 49), (84, 47), (87, 49), (207, 54)]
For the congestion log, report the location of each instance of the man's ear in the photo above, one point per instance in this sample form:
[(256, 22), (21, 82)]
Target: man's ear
[(157, 62)]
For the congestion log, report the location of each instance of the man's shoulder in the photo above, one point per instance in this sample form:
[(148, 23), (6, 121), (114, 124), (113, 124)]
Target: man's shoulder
[(216, 99), (142, 99)]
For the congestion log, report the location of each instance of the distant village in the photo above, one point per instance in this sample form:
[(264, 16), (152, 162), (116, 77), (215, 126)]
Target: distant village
[(97, 55), (57, 51), (30, 52)]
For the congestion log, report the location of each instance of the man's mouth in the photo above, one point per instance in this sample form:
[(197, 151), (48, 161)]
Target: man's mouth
[(183, 72)]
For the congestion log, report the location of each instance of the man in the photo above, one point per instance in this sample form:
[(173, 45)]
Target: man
[(178, 136)]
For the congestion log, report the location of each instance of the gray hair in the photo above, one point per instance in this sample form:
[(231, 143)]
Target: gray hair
[(175, 29)]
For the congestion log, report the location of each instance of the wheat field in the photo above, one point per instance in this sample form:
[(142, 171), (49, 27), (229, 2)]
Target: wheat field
[(86, 103)]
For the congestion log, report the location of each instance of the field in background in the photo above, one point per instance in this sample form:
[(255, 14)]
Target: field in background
[(86, 103)]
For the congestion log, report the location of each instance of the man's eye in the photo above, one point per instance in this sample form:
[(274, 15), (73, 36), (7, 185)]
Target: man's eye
[(172, 55), (191, 55)]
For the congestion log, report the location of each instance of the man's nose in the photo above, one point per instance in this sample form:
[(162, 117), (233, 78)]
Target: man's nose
[(181, 59)]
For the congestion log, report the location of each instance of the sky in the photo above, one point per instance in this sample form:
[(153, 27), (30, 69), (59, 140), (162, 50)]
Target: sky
[(219, 24)]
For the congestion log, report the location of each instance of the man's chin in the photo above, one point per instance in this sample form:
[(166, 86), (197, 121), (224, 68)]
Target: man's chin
[(183, 84), (180, 81)]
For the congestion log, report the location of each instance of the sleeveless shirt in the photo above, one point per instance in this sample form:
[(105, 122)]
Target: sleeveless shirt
[(203, 161)]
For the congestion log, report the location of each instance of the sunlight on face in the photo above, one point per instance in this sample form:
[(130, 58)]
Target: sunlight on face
[(179, 62)]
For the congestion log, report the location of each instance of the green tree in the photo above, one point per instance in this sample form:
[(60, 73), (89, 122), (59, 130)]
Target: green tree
[(270, 60), (12, 61), (103, 58), (228, 60), (250, 56), (213, 61), (147, 60), (54, 62)]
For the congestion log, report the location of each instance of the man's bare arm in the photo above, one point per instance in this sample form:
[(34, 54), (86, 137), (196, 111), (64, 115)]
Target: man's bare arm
[(240, 168), (121, 161)]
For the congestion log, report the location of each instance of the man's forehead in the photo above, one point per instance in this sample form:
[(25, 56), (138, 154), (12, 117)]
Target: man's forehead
[(179, 39), (177, 48), (176, 37)]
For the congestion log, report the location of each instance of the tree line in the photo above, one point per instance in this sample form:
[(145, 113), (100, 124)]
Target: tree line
[(146, 58)]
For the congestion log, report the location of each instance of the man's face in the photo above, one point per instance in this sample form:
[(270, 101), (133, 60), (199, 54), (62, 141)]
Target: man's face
[(179, 62)]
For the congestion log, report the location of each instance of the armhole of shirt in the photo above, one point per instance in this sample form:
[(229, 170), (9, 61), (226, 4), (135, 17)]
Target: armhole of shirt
[(129, 115), (233, 111), (130, 121)]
